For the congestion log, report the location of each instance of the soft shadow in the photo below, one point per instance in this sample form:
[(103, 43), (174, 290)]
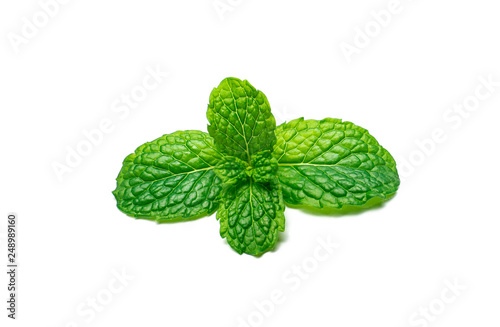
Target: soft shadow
[(349, 210)]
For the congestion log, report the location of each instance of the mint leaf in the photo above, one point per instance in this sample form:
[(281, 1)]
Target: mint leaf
[(247, 168), (264, 167), (331, 163), (170, 177), (231, 171), (251, 215), (240, 119)]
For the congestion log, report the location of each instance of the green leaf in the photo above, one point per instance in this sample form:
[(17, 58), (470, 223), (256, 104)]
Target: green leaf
[(170, 177), (251, 215), (231, 171), (240, 119), (331, 163), (264, 167)]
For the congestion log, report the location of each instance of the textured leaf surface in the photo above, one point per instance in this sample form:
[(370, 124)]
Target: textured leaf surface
[(240, 119), (170, 177), (251, 215), (231, 171), (331, 163), (264, 167)]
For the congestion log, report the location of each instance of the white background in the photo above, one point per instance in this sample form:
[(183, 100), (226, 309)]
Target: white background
[(393, 261)]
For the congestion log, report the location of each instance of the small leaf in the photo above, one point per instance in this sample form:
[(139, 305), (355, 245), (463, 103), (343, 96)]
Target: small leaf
[(251, 215), (264, 167), (331, 163), (231, 171), (240, 119), (170, 177)]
